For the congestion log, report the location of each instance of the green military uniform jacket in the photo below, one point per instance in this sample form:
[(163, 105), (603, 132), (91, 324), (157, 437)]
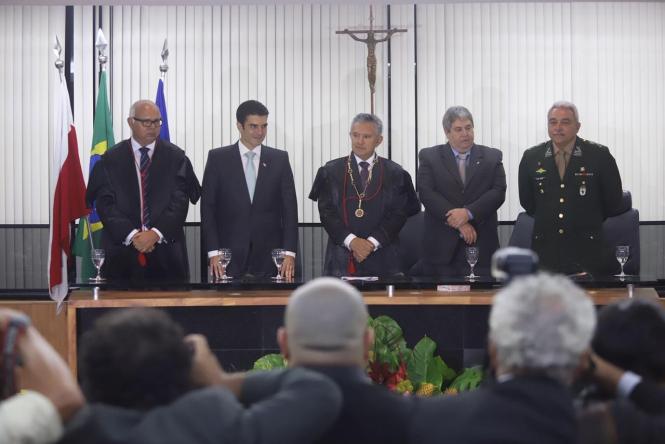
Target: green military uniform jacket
[(569, 213)]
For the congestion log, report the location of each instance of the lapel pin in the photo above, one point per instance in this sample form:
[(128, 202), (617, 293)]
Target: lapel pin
[(264, 164)]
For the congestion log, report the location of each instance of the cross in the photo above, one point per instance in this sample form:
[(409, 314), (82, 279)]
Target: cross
[(371, 40)]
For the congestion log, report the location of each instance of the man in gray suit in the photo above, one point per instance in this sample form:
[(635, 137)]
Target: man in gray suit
[(461, 185)]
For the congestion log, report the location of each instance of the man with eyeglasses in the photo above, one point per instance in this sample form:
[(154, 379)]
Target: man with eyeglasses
[(142, 187)]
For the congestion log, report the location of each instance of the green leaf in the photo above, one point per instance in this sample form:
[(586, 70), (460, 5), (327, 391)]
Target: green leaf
[(469, 379), (421, 357), (269, 362), (389, 344)]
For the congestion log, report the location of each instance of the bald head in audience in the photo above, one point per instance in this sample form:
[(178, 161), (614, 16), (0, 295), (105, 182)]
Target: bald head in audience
[(326, 323)]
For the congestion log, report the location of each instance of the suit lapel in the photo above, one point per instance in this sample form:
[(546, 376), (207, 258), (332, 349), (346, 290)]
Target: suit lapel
[(450, 163), (576, 161), (549, 164), (132, 184), (265, 167), (475, 161)]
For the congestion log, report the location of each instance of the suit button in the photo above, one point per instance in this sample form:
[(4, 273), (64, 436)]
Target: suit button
[(563, 186), (561, 200), (560, 230), (560, 215), (590, 237), (541, 191)]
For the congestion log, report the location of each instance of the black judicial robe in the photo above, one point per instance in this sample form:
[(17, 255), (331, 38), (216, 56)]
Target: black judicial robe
[(114, 187), (391, 199)]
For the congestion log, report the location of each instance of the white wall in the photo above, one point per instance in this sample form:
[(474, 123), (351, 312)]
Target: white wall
[(507, 62)]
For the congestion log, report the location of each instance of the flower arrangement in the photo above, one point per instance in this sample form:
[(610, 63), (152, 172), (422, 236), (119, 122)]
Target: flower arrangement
[(407, 371)]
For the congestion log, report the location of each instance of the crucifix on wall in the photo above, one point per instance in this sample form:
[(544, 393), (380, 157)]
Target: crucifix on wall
[(372, 37)]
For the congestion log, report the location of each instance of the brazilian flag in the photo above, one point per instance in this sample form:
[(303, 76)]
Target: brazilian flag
[(102, 139)]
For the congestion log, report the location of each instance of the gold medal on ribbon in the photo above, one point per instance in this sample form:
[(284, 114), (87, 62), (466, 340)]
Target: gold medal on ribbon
[(360, 213)]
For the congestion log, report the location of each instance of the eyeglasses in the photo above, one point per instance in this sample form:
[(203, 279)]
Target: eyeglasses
[(147, 123)]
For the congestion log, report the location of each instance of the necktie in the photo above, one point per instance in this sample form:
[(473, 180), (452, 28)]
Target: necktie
[(250, 174), (461, 165), (560, 160), (364, 173), (144, 168)]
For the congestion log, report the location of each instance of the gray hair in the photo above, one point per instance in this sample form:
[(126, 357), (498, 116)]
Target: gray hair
[(368, 118), (326, 320), (566, 105), (541, 323), (453, 113), (138, 103)]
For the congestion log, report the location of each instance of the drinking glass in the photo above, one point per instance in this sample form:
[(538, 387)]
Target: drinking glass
[(225, 260), (97, 256), (622, 255), (278, 259), (472, 259)]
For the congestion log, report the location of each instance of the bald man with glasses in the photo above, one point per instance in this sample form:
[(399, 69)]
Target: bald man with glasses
[(142, 187)]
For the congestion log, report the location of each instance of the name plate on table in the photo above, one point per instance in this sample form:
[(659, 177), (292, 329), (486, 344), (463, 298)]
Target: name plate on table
[(450, 288)]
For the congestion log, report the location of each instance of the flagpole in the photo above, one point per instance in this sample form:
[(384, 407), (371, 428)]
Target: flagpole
[(164, 67), (101, 45)]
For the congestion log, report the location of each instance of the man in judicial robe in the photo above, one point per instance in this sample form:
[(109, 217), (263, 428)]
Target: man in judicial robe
[(142, 187), (364, 201)]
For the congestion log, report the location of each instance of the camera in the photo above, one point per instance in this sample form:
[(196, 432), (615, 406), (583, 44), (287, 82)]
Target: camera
[(10, 357), (511, 262)]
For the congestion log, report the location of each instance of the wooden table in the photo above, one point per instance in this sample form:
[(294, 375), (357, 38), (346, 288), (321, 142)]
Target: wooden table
[(85, 305)]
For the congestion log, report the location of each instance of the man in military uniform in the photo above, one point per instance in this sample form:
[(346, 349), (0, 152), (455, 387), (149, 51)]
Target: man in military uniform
[(570, 186), (364, 201)]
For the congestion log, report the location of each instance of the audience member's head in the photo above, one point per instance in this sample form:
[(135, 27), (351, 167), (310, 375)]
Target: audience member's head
[(325, 323), (135, 358), (540, 324), (630, 334)]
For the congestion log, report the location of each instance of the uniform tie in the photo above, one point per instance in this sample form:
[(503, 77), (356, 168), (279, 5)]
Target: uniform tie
[(561, 160), (250, 174), (144, 169), (364, 173), (461, 166)]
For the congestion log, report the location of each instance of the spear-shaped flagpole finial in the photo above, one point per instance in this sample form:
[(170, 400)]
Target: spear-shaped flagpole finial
[(57, 50), (101, 44), (165, 55)]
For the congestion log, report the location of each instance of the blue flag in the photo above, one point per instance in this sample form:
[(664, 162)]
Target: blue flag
[(161, 104)]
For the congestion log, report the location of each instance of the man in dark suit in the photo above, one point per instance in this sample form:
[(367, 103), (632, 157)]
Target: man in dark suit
[(325, 330), (540, 329), (461, 185), (570, 186), (171, 389), (142, 187), (364, 201), (249, 200)]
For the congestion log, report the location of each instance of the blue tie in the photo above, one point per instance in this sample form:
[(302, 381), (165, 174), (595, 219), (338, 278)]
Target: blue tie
[(250, 174)]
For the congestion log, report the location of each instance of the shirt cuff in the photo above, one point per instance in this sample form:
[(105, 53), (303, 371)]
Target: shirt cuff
[(212, 253), (128, 239), (289, 253), (159, 233), (29, 417), (348, 239), (374, 242), (469, 213), (627, 383)]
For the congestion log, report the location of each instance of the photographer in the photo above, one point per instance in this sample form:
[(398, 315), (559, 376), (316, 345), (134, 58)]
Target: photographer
[(51, 394)]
